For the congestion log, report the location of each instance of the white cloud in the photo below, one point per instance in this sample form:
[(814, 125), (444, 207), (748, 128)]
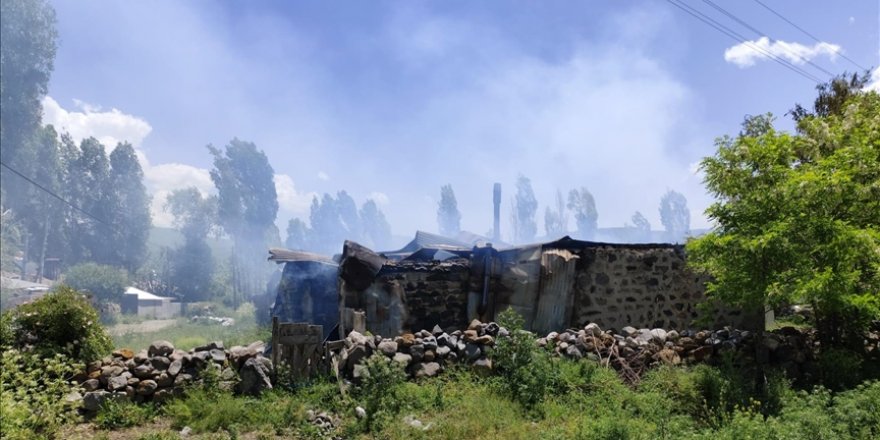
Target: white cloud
[(746, 55), (109, 127), (874, 83), (161, 180), (323, 176), (379, 197), (291, 202)]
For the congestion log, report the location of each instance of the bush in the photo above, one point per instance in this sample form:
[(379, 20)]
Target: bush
[(839, 368), (32, 394), (62, 322), (527, 371), (106, 283), (379, 390)]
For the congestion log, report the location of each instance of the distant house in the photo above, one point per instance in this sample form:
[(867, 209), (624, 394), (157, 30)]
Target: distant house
[(138, 302)]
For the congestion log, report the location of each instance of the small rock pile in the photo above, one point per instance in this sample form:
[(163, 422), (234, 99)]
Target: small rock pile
[(161, 371), (424, 353)]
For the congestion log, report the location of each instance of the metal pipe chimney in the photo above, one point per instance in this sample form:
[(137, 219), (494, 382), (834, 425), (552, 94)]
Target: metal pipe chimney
[(496, 226)]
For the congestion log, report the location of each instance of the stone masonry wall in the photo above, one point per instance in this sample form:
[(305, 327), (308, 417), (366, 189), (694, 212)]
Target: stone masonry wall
[(639, 286)]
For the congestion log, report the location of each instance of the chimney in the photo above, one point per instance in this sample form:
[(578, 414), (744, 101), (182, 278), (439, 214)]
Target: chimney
[(496, 226)]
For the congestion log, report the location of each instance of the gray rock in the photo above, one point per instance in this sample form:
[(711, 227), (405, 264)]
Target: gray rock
[(143, 371), (147, 387), (593, 329), (443, 351), (182, 379), (165, 380), (426, 369), (430, 343), (437, 331), (218, 355), (160, 363), (160, 348), (174, 368), (573, 352), (356, 354), (483, 366), (672, 335), (254, 377), (443, 340), (628, 331), (402, 359), (430, 356), (388, 347), (116, 383), (92, 400), (491, 329), (360, 412), (355, 338), (417, 352), (91, 385), (472, 351), (186, 431), (659, 335)]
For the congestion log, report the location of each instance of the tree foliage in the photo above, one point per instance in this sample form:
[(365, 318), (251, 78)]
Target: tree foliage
[(106, 283), (582, 204), (556, 220), (798, 216), (298, 234), (675, 215), (377, 231), (525, 206), (448, 216), (192, 270), (129, 208)]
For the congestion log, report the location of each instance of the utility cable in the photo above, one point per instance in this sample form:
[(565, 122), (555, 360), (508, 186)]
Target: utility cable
[(763, 34), (51, 193), (816, 39), (736, 36)]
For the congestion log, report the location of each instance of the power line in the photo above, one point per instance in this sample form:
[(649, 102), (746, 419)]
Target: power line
[(763, 34), (51, 193), (736, 36), (816, 39)]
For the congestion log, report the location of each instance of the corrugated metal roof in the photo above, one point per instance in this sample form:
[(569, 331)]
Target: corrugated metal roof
[(286, 255), (144, 295)]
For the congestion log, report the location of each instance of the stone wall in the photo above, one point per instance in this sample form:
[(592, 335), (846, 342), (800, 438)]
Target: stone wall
[(643, 286), (558, 285)]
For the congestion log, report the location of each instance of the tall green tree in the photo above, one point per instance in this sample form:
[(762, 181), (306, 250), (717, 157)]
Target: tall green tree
[(675, 215), (582, 204), (448, 216), (376, 227), (348, 214), (129, 208), (556, 220), (642, 225), (247, 207), (192, 268), (27, 55), (525, 206), (328, 229), (298, 235), (798, 218)]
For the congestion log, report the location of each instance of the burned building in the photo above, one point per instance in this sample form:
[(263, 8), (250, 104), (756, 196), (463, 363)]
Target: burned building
[(555, 285)]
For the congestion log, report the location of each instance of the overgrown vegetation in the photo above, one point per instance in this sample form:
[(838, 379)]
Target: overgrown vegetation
[(797, 215), (62, 322)]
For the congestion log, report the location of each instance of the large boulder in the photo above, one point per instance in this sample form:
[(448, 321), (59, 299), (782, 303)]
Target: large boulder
[(160, 348), (255, 376)]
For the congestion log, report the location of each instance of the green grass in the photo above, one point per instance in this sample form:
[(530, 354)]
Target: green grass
[(186, 334), (588, 403)]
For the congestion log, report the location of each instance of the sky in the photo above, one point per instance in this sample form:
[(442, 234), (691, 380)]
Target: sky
[(391, 100)]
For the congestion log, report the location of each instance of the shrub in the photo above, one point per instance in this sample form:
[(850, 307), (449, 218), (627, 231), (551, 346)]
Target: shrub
[(62, 322), (106, 283), (125, 414), (839, 368), (32, 394), (526, 370), (380, 389)]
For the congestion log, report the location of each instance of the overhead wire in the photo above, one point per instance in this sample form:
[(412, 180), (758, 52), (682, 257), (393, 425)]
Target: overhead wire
[(53, 194), (816, 39), (764, 34), (736, 36)]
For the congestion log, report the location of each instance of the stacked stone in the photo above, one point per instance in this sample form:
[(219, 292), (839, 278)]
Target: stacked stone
[(162, 371), (425, 353), (646, 347)]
